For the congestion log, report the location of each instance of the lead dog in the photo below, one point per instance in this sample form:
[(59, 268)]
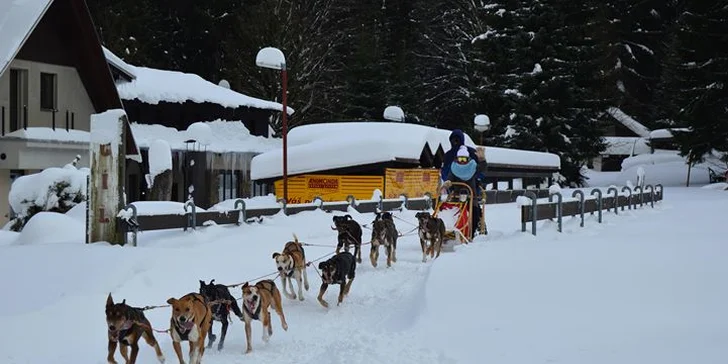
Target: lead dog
[(126, 326), (349, 234), (191, 321), (221, 303), (431, 229), (335, 271), (384, 232), (257, 299), (291, 263)]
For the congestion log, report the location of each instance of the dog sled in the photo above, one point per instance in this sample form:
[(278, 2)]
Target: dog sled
[(459, 206)]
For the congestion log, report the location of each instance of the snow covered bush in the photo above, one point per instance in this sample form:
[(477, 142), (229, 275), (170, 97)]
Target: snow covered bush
[(53, 189)]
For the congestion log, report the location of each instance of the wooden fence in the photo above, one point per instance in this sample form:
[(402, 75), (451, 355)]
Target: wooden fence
[(131, 222), (614, 200)]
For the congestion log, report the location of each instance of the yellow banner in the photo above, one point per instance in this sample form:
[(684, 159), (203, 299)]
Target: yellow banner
[(412, 182), (304, 188)]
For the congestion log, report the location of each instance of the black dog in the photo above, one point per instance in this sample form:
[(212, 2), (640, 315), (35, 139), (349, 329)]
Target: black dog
[(349, 234), (221, 310), (384, 232), (430, 229), (335, 271)]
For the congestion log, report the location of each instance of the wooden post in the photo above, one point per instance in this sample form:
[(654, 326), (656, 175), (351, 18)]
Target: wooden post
[(106, 185)]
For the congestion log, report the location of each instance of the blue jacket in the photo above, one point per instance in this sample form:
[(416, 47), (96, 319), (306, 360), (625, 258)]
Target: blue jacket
[(450, 155)]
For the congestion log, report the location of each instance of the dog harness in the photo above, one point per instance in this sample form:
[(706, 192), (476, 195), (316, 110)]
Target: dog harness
[(124, 331), (182, 332), (254, 315)]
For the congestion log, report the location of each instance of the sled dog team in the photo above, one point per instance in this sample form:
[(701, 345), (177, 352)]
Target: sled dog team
[(193, 314)]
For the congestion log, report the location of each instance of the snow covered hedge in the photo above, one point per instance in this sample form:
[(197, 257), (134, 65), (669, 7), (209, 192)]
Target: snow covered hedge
[(53, 189)]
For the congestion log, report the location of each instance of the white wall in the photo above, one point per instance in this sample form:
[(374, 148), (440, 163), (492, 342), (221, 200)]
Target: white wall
[(70, 92)]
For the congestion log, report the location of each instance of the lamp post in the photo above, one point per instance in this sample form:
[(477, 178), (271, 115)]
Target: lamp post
[(273, 58), (482, 124)]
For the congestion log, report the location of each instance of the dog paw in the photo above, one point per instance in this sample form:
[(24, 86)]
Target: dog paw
[(219, 347), (324, 303), (248, 350), (306, 287), (266, 338), (285, 326), (301, 298), (161, 359)]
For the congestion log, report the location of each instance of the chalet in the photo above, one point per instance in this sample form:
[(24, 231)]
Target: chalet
[(625, 137), (372, 148), (162, 104), (53, 77)]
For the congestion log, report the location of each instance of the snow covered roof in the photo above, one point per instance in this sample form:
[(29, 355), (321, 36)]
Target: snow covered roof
[(48, 134), (326, 146), (624, 145), (153, 85), (117, 62), (664, 133), (630, 123), (227, 136), (17, 21), (521, 158)]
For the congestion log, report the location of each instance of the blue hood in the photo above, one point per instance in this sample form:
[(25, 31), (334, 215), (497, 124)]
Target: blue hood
[(457, 133)]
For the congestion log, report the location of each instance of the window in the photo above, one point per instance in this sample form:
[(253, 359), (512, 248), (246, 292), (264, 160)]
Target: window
[(47, 91), (227, 185)]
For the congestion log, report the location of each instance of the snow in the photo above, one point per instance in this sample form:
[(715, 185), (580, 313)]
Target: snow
[(119, 63), (326, 146), (48, 134), (394, 113), (664, 133), (664, 167), (537, 69), (554, 189), (626, 146), (17, 21), (153, 86), (717, 186), (149, 208), (106, 129), (481, 120), (200, 132), (65, 228), (266, 201), (227, 136), (160, 158), (32, 189), (643, 287), (629, 122), (270, 57)]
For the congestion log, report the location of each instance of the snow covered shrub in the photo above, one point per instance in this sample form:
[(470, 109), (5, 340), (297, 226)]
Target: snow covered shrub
[(53, 189)]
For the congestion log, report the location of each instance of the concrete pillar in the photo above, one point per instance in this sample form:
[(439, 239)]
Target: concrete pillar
[(4, 192)]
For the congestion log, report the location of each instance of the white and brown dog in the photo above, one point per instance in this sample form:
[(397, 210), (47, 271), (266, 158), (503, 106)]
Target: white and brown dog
[(257, 299), (191, 321), (291, 264)]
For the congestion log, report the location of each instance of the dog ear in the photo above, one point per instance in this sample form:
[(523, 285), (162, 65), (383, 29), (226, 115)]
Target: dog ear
[(172, 301), (245, 285), (212, 282), (109, 301), (322, 265), (123, 302), (202, 283), (276, 254), (348, 217)]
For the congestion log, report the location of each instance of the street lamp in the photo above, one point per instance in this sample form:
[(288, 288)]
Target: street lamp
[(394, 113), (273, 58), (482, 124)]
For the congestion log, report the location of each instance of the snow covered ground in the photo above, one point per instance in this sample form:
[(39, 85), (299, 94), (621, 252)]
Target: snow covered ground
[(646, 286)]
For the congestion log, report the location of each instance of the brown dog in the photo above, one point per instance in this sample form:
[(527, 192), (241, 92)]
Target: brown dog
[(191, 321), (126, 326), (257, 299), (292, 264), (430, 229)]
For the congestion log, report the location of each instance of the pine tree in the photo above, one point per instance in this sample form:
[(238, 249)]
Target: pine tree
[(695, 83)]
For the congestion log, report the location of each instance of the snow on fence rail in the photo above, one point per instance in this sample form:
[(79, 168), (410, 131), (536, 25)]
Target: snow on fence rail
[(533, 211), (190, 218)]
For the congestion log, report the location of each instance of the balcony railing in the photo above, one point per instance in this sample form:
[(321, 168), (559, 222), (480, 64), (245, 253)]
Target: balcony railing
[(70, 120)]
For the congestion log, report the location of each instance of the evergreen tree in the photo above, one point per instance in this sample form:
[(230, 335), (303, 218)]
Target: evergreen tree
[(694, 87)]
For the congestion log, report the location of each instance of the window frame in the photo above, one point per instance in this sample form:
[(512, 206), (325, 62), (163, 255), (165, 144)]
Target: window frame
[(42, 93)]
